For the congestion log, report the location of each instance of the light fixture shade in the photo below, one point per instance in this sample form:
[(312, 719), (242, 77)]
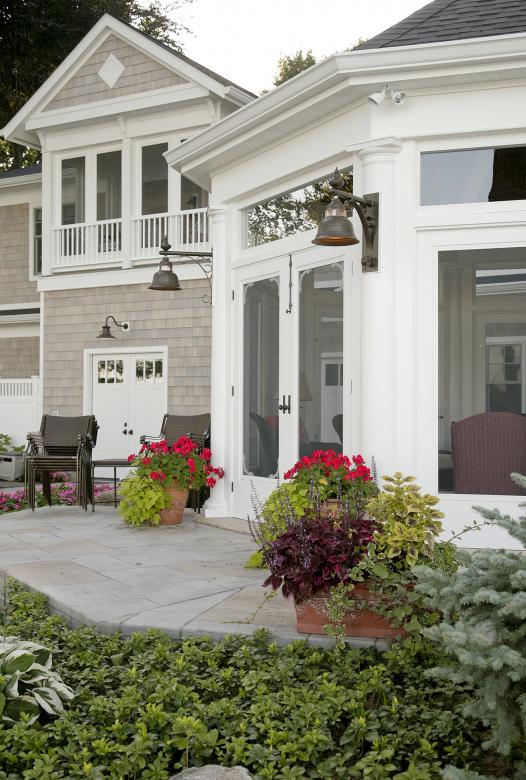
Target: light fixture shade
[(165, 279), (105, 333), (335, 228)]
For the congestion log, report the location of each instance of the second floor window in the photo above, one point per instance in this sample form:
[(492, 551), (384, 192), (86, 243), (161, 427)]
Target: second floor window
[(154, 179), (37, 242), (109, 185), (73, 190)]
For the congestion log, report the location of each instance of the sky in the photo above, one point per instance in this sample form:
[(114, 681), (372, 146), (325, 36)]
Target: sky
[(243, 40)]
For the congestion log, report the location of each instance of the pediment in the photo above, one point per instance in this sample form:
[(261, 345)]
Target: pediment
[(114, 69)]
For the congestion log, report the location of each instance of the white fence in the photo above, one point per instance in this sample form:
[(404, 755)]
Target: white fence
[(19, 412)]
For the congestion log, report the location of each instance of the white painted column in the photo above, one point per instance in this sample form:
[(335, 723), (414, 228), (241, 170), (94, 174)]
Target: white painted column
[(127, 168), (378, 376), (48, 203), (220, 406)]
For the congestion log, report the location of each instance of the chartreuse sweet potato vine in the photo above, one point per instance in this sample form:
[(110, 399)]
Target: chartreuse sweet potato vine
[(146, 706)]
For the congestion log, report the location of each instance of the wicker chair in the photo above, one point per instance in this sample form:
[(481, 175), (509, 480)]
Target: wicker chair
[(486, 449), (197, 428), (62, 444)]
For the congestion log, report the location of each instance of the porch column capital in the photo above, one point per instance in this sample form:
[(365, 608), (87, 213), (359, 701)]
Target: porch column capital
[(217, 212), (380, 150)]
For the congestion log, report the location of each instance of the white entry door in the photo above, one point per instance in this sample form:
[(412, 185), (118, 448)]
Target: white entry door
[(289, 393), (129, 399)]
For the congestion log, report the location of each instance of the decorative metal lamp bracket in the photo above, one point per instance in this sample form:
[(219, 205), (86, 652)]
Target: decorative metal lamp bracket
[(202, 259), (367, 209)]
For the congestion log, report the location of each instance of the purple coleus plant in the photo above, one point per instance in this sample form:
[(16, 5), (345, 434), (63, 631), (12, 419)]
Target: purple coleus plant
[(316, 553)]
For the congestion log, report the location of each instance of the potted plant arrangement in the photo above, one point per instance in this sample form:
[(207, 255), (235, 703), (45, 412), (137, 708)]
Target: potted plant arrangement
[(326, 478), (350, 570), (156, 491)]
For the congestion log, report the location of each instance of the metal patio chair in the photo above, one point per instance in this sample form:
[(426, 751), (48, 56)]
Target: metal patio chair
[(486, 449), (62, 444), (197, 428)]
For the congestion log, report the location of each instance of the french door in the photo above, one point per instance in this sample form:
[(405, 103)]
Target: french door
[(129, 398), (289, 392)]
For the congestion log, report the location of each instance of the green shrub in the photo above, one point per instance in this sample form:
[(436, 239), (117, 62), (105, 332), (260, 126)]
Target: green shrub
[(146, 706), (142, 500), (6, 444), (28, 687)]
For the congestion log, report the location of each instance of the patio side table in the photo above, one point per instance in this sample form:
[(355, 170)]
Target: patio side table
[(114, 463)]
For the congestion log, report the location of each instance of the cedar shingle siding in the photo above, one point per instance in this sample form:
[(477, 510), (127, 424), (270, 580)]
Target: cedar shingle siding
[(451, 20), (19, 357), (141, 74), (181, 321), (15, 286)]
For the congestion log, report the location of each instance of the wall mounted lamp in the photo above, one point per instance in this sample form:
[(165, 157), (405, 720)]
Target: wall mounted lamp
[(387, 94), (166, 280), (106, 330), (336, 228)]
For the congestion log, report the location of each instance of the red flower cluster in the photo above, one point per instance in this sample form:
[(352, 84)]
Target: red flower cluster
[(329, 461), (181, 462)]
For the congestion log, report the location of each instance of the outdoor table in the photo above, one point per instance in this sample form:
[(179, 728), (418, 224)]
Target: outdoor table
[(114, 463)]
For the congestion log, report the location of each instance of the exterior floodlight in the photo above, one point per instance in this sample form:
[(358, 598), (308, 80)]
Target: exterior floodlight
[(106, 330), (336, 228), (376, 98)]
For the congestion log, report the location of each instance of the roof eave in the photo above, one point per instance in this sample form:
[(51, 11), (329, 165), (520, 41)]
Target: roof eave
[(366, 67)]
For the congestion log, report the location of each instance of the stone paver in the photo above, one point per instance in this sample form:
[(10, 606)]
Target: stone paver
[(186, 580)]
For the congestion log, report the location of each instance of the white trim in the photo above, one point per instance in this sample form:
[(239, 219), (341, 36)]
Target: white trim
[(13, 181), (85, 279), (87, 370), (32, 208), (40, 407), (11, 306)]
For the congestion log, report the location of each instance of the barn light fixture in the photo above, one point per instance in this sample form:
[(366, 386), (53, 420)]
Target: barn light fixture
[(336, 228), (165, 279), (106, 330)]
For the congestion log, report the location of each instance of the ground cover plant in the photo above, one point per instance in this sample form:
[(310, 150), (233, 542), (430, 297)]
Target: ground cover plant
[(145, 707)]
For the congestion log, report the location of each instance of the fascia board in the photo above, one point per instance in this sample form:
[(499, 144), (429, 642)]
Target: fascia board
[(89, 111), (365, 69), (18, 181)]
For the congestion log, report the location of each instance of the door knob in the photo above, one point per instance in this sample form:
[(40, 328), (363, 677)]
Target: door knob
[(125, 431), (130, 431)]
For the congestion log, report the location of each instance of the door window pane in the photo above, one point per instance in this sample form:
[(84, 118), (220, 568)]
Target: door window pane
[(321, 359), (119, 371), (261, 378), (101, 372), (73, 188), (473, 175), (482, 350), (154, 179), (148, 370), (158, 369), (109, 185), (139, 370)]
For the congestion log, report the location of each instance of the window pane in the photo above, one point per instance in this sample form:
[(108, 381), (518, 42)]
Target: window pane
[(154, 179), (101, 372), (111, 372), (73, 184), (320, 357), (192, 196), (473, 176), (261, 378), (139, 370), (37, 241), (109, 185), (482, 344), (148, 370), (293, 212), (158, 369), (119, 371)]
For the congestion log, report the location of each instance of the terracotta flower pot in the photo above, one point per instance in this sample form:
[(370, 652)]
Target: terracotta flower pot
[(173, 514), (312, 615)]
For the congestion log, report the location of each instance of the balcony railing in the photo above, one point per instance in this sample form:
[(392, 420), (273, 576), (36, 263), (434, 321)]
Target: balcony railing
[(101, 243)]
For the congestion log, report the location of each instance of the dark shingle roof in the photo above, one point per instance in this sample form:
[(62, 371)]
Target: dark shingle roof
[(451, 20), (27, 171)]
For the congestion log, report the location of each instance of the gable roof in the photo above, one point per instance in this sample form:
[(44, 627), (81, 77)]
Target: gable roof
[(450, 20), (34, 113)]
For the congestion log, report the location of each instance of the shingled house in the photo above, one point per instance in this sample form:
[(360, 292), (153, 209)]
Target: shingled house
[(417, 356)]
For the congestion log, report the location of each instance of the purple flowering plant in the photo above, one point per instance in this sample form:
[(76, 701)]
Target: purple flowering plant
[(62, 493)]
